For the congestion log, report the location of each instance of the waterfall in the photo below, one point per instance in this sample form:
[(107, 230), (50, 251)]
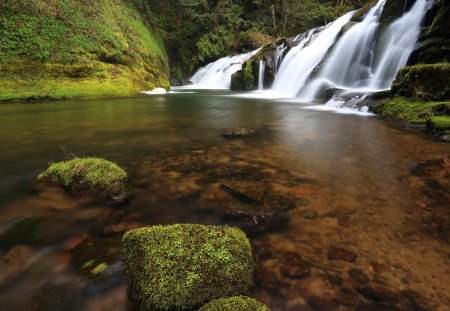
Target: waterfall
[(363, 60), (262, 66), (303, 58), (278, 57), (217, 75)]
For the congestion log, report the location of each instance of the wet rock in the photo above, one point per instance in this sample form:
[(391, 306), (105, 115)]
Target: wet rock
[(339, 253), (121, 227), (246, 191), (19, 255), (377, 307), (237, 132), (254, 223), (309, 214), (346, 297), (294, 266), (416, 300), (359, 276), (19, 231), (53, 298), (335, 279), (321, 304), (235, 172), (279, 202), (379, 267), (379, 293)]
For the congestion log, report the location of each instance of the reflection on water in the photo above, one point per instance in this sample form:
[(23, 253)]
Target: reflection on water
[(351, 211)]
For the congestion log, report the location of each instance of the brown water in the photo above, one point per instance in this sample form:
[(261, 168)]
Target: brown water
[(345, 212)]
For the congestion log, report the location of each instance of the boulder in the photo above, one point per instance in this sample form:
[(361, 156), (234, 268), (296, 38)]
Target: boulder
[(183, 266), (238, 303)]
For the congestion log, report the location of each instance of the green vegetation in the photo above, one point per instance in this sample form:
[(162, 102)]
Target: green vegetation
[(73, 49), (244, 80), (440, 123), (239, 303), (426, 82), (416, 111), (181, 267), (95, 175)]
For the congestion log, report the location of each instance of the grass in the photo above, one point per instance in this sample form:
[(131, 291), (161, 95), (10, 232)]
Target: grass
[(181, 267)]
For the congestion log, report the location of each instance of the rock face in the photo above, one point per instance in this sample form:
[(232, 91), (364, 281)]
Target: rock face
[(94, 176), (239, 303), (71, 49), (181, 267)]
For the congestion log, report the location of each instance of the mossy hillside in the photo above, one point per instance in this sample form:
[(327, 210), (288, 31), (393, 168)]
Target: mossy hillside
[(78, 33), (96, 175), (416, 111), (181, 267), (425, 81), (238, 303)]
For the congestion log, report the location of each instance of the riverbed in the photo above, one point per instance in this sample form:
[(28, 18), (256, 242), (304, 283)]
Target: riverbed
[(344, 212)]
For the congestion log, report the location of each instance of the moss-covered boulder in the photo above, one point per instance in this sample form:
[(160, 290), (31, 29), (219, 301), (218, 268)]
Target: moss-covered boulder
[(426, 82), (238, 303), (94, 176), (181, 267), (245, 79)]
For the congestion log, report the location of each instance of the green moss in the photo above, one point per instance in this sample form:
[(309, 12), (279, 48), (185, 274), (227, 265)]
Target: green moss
[(94, 174), (181, 267), (412, 111), (244, 80), (238, 303), (107, 40), (426, 82), (440, 123)]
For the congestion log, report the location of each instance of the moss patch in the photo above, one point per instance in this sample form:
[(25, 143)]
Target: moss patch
[(238, 303), (426, 82), (181, 267), (440, 123), (96, 175), (413, 111), (77, 49)]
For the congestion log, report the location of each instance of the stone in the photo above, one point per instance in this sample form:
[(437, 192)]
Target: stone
[(339, 253), (359, 276), (294, 266), (246, 191), (180, 267), (379, 293), (238, 303), (237, 132)]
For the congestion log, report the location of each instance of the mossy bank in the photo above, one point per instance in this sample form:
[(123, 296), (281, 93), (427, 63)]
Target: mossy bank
[(77, 49)]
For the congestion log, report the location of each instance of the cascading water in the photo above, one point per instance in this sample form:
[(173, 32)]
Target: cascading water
[(217, 75), (262, 66), (278, 57), (303, 58)]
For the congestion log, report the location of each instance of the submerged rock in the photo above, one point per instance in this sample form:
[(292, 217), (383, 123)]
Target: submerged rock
[(238, 303), (19, 231), (237, 132), (180, 267), (294, 266), (338, 253), (255, 222), (93, 176)]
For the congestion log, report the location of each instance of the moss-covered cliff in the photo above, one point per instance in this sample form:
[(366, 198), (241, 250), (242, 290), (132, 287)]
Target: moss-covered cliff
[(77, 49)]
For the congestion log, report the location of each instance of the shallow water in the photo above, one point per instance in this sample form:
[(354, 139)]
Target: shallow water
[(354, 184)]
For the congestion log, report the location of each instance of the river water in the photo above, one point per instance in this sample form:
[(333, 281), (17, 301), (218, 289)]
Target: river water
[(345, 212)]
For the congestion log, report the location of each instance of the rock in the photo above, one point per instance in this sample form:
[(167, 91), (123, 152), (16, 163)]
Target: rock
[(294, 266), (19, 255), (183, 266), (91, 176), (19, 231), (338, 253), (246, 191), (346, 297), (377, 307), (359, 276), (237, 132), (254, 223), (238, 303), (321, 304), (379, 293), (277, 202), (156, 91)]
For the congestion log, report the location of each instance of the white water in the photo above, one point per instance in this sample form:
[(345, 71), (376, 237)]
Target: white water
[(361, 61), (302, 59), (262, 66), (278, 57), (217, 75)]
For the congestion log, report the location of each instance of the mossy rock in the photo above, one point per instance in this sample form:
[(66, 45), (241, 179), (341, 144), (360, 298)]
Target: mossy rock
[(238, 303), (183, 266), (425, 82), (359, 15), (245, 79), (91, 175)]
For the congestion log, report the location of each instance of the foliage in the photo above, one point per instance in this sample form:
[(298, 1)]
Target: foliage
[(182, 266), (238, 303), (95, 174)]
